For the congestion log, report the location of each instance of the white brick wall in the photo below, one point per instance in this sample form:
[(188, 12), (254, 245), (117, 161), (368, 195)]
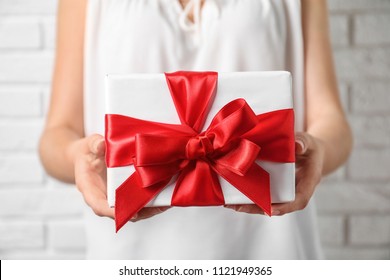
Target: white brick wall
[(19, 33), (41, 218), (20, 101), (369, 31), (27, 7), (27, 67), (354, 206), (22, 235), (368, 230)]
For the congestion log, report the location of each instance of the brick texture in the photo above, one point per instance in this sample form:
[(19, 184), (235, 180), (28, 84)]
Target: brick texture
[(19, 34), (21, 235), (370, 165), (357, 253), (371, 132), (27, 7), (370, 97), (26, 67), (20, 101), (49, 27), (358, 64), (41, 218), (45, 203), (362, 198), (348, 6), (66, 235), (13, 134), (332, 230), (346, 198), (20, 168), (369, 31), (339, 30), (368, 230)]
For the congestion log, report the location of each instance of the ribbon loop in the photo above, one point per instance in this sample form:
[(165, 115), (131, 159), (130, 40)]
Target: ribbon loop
[(232, 121), (241, 158)]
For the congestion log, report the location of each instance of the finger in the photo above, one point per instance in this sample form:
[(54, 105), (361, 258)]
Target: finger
[(95, 197), (280, 209), (101, 209), (96, 166), (300, 202), (100, 148), (96, 145), (304, 191), (92, 171), (299, 147), (149, 212), (231, 206), (99, 205), (302, 142), (246, 208)]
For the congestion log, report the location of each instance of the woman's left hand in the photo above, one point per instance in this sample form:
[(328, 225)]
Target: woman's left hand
[(310, 154)]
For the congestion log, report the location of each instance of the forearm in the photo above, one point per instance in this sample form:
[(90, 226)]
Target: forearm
[(334, 133), (56, 149)]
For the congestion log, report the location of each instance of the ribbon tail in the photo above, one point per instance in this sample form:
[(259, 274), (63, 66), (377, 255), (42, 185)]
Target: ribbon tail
[(255, 184), (198, 185), (131, 197)]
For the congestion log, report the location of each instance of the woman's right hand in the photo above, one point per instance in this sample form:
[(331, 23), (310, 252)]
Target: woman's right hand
[(88, 156)]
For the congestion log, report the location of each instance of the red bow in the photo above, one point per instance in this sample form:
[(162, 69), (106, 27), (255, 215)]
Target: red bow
[(229, 147)]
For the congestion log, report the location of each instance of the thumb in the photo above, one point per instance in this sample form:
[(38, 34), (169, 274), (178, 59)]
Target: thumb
[(97, 145), (302, 141)]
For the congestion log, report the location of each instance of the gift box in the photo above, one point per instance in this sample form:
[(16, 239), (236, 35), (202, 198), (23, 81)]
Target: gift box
[(199, 139)]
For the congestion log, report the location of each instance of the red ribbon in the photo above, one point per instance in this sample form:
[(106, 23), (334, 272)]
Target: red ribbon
[(229, 147)]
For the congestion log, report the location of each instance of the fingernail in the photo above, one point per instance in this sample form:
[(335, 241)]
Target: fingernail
[(97, 144), (134, 218), (275, 212), (300, 143)]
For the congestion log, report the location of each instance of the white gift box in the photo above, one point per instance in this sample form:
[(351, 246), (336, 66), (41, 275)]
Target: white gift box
[(147, 97)]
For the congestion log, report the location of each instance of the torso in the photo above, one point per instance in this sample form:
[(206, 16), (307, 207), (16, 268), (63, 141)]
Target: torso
[(127, 36)]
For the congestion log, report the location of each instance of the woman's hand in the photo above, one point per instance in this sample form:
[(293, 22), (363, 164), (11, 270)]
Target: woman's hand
[(309, 153), (90, 176)]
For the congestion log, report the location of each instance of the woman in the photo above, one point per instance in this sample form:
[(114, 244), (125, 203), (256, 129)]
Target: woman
[(97, 37)]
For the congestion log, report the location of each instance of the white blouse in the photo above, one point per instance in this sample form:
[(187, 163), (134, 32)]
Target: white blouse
[(128, 36)]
